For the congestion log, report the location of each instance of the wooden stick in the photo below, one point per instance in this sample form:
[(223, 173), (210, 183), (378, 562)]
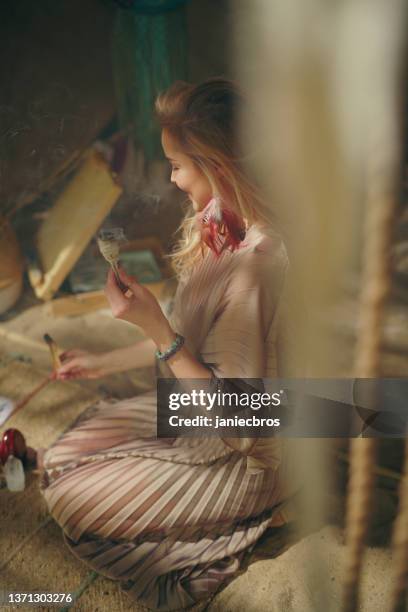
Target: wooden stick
[(15, 337), (54, 350), (30, 395), (378, 469), (56, 362), (115, 269), (34, 392)]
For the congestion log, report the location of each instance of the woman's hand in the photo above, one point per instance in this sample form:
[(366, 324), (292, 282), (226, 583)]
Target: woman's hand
[(80, 364), (138, 305)]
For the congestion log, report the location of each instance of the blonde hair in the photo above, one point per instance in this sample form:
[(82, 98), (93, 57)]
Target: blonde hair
[(204, 120)]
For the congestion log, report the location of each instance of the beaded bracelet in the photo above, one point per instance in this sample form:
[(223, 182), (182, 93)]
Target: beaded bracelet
[(176, 346)]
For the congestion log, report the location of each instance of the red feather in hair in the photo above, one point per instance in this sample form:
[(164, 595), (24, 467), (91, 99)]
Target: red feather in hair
[(220, 227)]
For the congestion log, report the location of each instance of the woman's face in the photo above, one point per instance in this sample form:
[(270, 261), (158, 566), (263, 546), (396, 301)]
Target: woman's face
[(185, 173)]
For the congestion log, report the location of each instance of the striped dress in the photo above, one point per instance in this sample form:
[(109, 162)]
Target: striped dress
[(172, 519)]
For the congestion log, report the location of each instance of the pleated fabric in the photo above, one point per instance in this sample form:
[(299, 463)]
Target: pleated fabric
[(173, 519)]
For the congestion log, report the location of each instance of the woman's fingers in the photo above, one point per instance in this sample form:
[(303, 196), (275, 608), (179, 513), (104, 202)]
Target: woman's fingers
[(84, 365), (111, 288), (112, 291), (126, 278), (72, 375), (70, 366), (118, 301), (70, 354), (76, 372), (130, 281)]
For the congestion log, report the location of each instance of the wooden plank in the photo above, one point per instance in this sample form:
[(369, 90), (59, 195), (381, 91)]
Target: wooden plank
[(79, 304), (74, 219), (16, 338), (82, 303)]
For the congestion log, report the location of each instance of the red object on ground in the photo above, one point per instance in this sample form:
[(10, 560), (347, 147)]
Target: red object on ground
[(12, 443)]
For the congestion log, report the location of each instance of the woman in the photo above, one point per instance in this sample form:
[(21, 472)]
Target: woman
[(173, 518)]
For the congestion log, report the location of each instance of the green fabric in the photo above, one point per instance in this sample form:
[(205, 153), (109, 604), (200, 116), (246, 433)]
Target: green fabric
[(149, 54), (149, 6)]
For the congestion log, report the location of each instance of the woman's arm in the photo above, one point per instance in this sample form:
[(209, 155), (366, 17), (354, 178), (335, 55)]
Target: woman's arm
[(138, 355), (182, 363), (140, 307), (78, 363)]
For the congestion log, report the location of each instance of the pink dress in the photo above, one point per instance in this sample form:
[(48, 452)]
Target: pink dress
[(173, 519)]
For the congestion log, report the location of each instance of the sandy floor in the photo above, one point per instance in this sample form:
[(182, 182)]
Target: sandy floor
[(307, 578)]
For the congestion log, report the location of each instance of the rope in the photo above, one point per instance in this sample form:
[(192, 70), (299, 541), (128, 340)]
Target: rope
[(376, 283), (378, 469), (400, 545), (362, 459), (17, 549), (91, 577)]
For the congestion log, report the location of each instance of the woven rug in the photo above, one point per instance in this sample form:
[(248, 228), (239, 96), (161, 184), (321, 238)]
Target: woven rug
[(34, 557)]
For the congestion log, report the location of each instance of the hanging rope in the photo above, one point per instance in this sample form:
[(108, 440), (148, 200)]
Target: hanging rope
[(359, 495), (376, 285), (400, 546)]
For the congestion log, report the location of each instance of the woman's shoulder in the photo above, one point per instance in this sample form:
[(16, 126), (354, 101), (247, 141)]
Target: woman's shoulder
[(264, 246)]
